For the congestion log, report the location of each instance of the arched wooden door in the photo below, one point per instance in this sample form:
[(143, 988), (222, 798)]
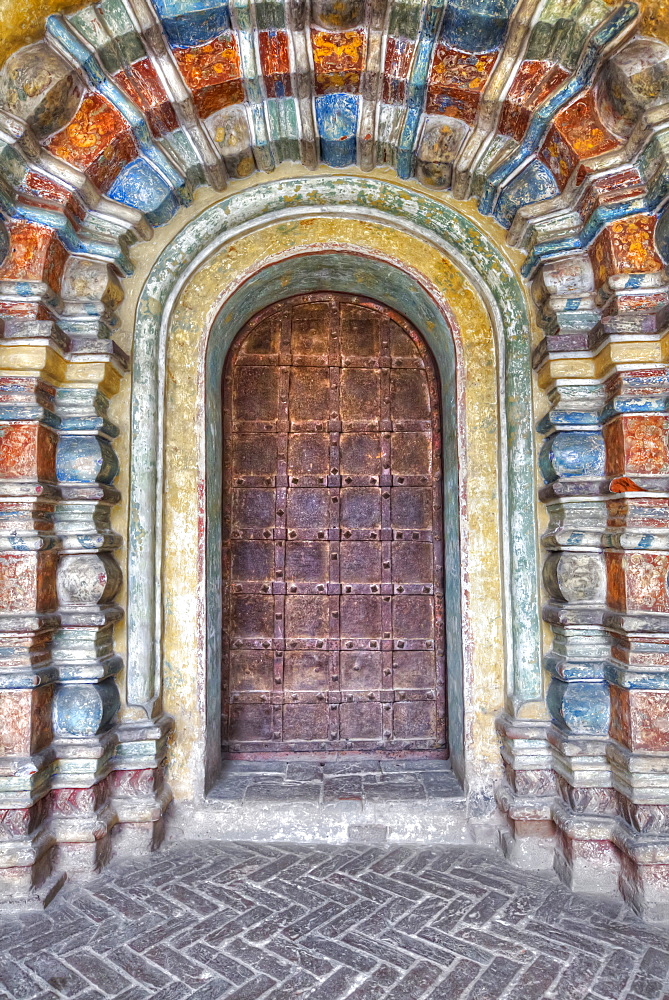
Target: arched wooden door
[(332, 533)]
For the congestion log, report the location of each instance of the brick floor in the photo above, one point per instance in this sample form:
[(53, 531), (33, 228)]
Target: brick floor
[(210, 920)]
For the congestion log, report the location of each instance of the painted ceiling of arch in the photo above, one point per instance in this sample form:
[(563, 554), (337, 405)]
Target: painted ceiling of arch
[(552, 114)]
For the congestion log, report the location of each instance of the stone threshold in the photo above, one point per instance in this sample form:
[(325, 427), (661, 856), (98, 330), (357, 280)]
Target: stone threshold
[(334, 802)]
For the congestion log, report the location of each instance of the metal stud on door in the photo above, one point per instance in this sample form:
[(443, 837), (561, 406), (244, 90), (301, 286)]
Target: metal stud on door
[(332, 533)]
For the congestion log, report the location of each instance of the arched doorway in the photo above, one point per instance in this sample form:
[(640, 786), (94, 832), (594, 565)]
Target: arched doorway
[(332, 542)]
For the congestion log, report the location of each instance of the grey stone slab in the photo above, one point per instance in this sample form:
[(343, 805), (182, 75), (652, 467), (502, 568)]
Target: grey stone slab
[(230, 788), (342, 786), (300, 771), (298, 791), (363, 766), (393, 766), (251, 766), (395, 791)]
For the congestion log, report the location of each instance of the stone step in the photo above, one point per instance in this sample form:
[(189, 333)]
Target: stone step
[(334, 802)]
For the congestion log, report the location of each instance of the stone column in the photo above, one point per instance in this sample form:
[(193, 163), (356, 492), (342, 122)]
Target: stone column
[(32, 357), (637, 619)]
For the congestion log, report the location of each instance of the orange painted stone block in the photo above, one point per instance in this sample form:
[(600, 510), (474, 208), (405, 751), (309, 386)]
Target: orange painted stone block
[(637, 581), (28, 451), (456, 82), (25, 720), (212, 71), (637, 444), (28, 581), (142, 84), (576, 134), (640, 719), (338, 60), (97, 140), (534, 81), (626, 247), (35, 254)]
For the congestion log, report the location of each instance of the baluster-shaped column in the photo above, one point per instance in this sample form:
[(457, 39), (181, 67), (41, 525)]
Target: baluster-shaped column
[(111, 775), (636, 433), (32, 357), (87, 698), (573, 463)]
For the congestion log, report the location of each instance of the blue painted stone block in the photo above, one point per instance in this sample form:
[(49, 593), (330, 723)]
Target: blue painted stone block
[(534, 183), (192, 22), (337, 118), (139, 186), (572, 453), (85, 709), (478, 27), (580, 706), (86, 459)]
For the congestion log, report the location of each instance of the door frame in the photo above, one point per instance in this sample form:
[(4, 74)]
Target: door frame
[(462, 283)]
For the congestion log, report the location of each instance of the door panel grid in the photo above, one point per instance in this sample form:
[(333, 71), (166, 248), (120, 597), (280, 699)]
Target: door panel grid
[(333, 603)]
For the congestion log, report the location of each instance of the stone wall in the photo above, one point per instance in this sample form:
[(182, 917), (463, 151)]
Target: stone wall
[(553, 117)]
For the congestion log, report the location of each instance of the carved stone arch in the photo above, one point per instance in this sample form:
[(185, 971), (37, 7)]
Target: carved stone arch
[(443, 232), (557, 127)]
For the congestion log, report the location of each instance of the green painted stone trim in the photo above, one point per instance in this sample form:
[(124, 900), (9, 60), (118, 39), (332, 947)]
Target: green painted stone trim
[(472, 250)]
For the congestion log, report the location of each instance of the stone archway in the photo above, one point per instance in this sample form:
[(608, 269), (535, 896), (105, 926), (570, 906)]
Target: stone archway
[(107, 126)]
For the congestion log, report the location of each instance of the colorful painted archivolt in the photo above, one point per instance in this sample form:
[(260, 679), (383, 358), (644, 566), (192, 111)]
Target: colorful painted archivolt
[(554, 117)]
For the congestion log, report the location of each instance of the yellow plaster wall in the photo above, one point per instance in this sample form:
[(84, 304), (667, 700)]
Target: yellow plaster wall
[(23, 22)]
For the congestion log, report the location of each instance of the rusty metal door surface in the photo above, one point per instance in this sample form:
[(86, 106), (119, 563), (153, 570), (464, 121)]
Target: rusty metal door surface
[(332, 533)]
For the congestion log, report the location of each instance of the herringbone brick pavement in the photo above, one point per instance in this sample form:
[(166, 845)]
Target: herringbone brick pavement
[(208, 920)]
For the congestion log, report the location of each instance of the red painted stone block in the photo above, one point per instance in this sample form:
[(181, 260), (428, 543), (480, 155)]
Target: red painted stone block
[(35, 254), (456, 82), (637, 444), (143, 86), (28, 451), (212, 71), (625, 247), (275, 62), (534, 81), (577, 133), (640, 651), (28, 581), (25, 720), (640, 719), (18, 391), (40, 191), (605, 191), (399, 53), (642, 513), (97, 140), (637, 581), (338, 60)]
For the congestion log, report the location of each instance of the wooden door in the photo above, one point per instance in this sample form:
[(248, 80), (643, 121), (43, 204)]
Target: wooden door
[(332, 533)]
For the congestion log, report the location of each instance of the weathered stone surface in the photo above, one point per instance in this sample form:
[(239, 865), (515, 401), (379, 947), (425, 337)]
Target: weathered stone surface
[(250, 921)]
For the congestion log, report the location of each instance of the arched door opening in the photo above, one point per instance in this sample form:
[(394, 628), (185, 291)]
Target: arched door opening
[(332, 547)]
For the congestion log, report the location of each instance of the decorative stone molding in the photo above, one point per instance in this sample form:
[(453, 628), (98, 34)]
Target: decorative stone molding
[(555, 121)]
